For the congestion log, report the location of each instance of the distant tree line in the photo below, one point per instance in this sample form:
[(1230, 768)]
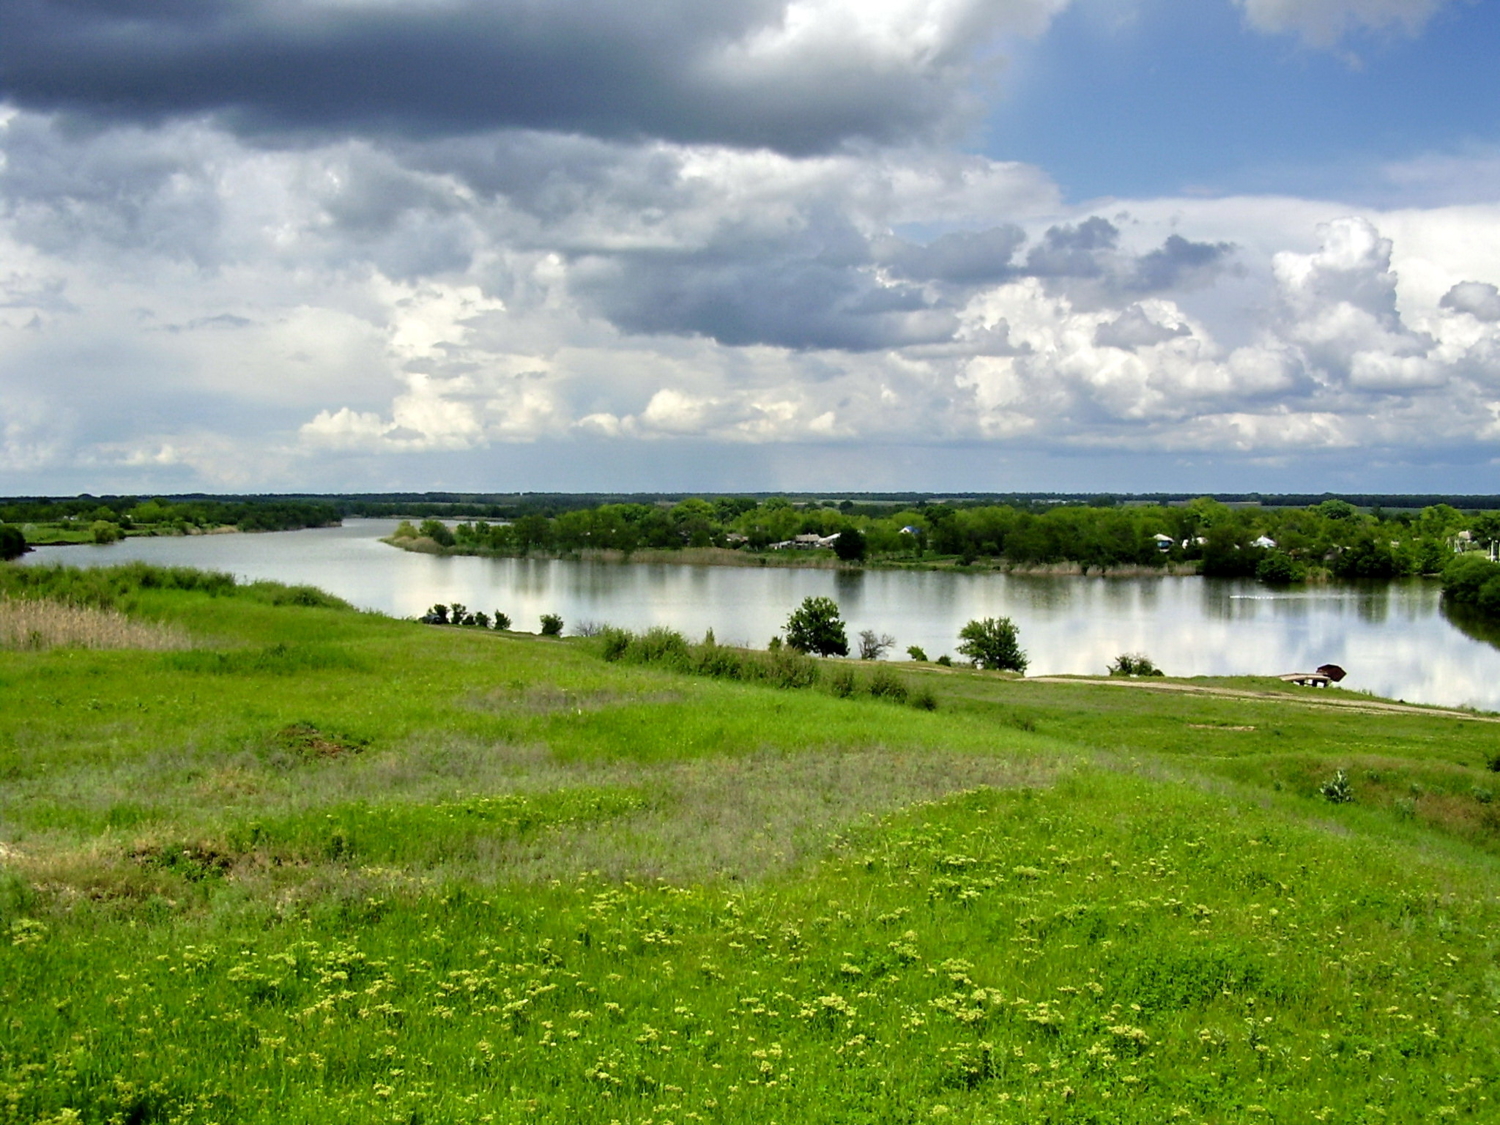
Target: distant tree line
[(1276, 544), (109, 516)]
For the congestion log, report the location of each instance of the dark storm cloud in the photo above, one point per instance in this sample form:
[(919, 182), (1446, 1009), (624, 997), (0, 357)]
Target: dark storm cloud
[(1073, 251), (1133, 329), (965, 257), (799, 304), (677, 69), (818, 288), (1176, 262)]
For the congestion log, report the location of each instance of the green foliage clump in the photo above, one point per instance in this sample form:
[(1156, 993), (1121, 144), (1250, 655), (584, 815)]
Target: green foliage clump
[(1279, 568), (916, 653), (12, 542), (110, 587), (850, 545), (1337, 790), (1133, 664), (994, 644), (815, 626), (1471, 580), (666, 648), (438, 532), (552, 625)]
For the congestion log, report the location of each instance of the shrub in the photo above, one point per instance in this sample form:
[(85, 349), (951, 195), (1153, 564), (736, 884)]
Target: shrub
[(438, 532), (872, 647), (552, 625), (1133, 664), (945, 661), (615, 643), (12, 542), (1337, 789), (502, 620), (850, 545), (916, 653), (659, 645), (885, 684), (993, 644), (841, 682), (789, 668), (587, 629), (814, 626), (1468, 578), (923, 699), (1279, 568)]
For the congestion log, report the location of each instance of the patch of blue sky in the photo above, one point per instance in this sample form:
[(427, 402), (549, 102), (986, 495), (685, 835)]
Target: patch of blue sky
[(1143, 98)]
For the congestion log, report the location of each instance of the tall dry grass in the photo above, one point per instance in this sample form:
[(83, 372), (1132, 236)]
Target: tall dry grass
[(34, 625)]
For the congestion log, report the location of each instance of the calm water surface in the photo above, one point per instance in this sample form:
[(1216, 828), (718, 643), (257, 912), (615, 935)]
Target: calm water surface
[(1392, 638)]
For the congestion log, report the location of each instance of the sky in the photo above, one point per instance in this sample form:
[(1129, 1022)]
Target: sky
[(585, 245)]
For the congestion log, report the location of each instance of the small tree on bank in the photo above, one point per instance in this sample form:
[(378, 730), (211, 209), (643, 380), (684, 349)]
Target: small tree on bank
[(850, 546), (815, 626), (994, 644)]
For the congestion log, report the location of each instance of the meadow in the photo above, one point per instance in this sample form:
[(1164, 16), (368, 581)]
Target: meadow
[(279, 860)]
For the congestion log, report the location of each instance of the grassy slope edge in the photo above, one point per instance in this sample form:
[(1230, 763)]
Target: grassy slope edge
[(326, 866)]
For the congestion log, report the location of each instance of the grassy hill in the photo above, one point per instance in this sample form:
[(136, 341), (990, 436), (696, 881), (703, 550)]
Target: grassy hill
[(282, 861)]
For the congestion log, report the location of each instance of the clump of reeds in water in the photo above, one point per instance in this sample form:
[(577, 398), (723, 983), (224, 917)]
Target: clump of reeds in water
[(37, 624)]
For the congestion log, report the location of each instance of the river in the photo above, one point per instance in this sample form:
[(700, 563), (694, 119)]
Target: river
[(1391, 637)]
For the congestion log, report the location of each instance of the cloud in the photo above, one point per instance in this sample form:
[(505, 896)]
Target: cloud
[(1322, 23), (1134, 329), (182, 305), (794, 75), (1479, 299)]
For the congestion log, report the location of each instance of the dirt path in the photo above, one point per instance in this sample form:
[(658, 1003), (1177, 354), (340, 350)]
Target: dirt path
[(1361, 706)]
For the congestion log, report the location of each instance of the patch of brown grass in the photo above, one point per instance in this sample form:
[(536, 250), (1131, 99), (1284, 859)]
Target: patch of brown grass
[(36, 625)]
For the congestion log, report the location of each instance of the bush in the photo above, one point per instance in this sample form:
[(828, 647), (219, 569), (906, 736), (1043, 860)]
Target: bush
[(438, 532), (1279, 568), (841, 682), (1133, 664), (814, 626), (923, 699), (1337, 789), (945, 661), (916, 653), (850, 545), (12, 542), (885, 684), (552, 625), (993, 644), (1472, 580), (502, 620), (872, 647)]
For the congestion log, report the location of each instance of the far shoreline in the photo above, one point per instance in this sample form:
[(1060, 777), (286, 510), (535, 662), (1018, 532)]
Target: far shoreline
[(799, 560)]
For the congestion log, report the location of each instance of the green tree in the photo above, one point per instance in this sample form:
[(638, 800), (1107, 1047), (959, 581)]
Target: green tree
[(815, 626), (850, 545), (993, 643), (12, 542), (438, 532)]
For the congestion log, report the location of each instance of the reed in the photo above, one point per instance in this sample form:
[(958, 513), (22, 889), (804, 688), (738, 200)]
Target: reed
[(36, 625)]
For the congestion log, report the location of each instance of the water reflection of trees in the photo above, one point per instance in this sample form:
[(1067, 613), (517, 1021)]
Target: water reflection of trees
[(1471, 624)]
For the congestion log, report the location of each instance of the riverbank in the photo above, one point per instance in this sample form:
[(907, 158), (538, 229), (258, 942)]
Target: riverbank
[(801, 559), (329, 866)]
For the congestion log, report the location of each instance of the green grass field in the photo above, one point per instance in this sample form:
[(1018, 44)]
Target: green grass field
[(323, 866)]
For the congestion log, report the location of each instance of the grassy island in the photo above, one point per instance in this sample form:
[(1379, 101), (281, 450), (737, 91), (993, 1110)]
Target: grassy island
[(265, 858)]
